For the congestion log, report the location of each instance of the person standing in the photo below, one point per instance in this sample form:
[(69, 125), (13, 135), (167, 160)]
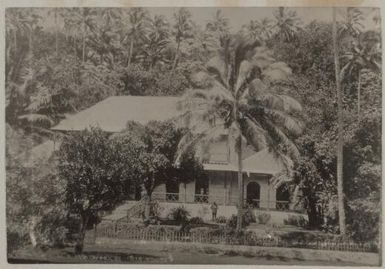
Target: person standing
[(214, 209)]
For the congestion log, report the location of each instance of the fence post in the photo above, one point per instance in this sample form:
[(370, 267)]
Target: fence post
[(95, 232)]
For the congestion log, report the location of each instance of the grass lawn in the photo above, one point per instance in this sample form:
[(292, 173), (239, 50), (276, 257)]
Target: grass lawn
[(163, 253)]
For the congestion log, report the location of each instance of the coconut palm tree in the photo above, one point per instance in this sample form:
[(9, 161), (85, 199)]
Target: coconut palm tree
[(182, 30), (265, 28), (251, 30), (110, 16), (88, 24), (56, 12), (236, 96), (86, 19), (156, 41), (365, 54), (256, 29), (16, 22), (287, 24), (350, 25), (340, 142), (137, 26), (219, 26)]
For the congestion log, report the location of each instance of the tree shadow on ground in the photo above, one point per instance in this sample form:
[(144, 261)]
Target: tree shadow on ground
[(105, 256)]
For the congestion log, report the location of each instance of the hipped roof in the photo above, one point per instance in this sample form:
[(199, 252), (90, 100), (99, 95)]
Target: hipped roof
[(113, 113)]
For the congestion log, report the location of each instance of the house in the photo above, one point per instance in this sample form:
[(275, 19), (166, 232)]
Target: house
[(260, 191)]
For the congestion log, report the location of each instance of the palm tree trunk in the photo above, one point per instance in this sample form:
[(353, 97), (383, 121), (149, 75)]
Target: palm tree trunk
[(359, 93), (56, 34), (84, 42), (75, 50), (176, 56), (130, 52), (30, 43), (340, 142), (240, 185), (32, 232), (15, 40)]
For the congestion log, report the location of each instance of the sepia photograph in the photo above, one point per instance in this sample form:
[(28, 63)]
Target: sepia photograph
[(244, 135)]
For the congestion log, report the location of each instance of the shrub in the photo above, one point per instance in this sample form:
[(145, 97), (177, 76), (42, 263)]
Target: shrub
[(200, 230), (232, 222), (296, 220), (156, 209), (180, 215), (248, 216), (264, 218), (196, 220), (161, 229), (15, 240), (221, 219)]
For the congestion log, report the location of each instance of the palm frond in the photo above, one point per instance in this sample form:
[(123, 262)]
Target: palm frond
[(36, 119), (216, 68), (263, 57), (291, 124), (277, 71), (279, 141), (254, 133), (198, 139)]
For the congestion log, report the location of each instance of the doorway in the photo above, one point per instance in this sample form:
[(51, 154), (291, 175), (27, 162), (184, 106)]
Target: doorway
[(253, 194)]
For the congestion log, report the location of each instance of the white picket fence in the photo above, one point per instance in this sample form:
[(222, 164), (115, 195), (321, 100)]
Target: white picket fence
[(126, 232)]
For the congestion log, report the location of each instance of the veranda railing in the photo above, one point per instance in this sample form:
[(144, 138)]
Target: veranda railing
[(220, 200)]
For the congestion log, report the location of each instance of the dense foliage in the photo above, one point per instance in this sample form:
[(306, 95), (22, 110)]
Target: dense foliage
[(100, 170), (62, 60)]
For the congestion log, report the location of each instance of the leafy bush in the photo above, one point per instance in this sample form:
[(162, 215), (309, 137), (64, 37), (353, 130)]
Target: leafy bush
[(15, 240), (296, 220), (200, 230), (221, 219), (264, 218), (247, 218), (161, 229), (179, 215), (156, 209), (196, 220), (232, 222), (365, 225)]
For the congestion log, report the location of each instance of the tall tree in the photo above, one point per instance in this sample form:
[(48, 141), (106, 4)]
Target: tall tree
[(351, 23), (137, 26), (156, 146), (88, 23), (260, 30), (286, 24), (365, 54), (340, 141), (95, 170), (81, 22), (182, 30), (238, 96), (156, 41), (219, 26), (56, 13)]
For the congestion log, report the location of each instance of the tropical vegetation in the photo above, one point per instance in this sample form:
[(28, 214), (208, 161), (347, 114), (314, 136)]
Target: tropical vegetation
[(311, 97)]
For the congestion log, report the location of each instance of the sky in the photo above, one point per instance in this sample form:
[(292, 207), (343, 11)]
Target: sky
[(239, 16)]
